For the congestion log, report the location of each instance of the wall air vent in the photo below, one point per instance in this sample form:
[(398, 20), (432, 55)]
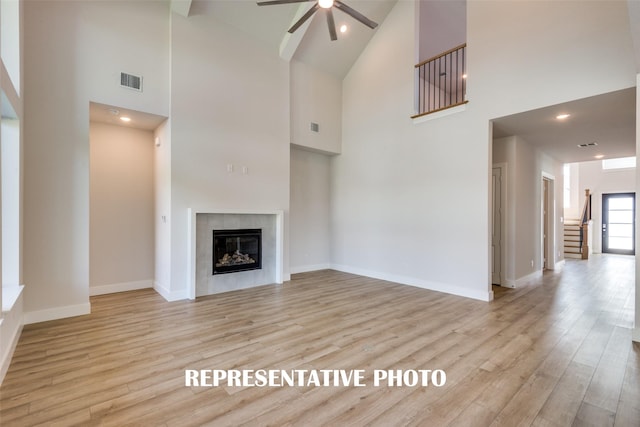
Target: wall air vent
[(131, 82), (590, 144)]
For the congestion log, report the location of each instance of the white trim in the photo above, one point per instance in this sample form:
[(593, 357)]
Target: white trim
[(8, 353), (524, 279), (120, 287), (168, 295), (57, 313), (191, 242), (635, 334), (308, 268), (504, 243), (509, 283), (419, 283), (440, 114), (11, 325), (10, 295), (551, 221)]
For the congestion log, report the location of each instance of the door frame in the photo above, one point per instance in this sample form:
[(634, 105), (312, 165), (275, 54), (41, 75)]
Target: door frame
[(550, 221), (605, 220), (504, 249)]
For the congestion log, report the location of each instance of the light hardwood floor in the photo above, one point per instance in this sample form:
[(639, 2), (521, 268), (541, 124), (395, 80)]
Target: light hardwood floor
[(555, 352)]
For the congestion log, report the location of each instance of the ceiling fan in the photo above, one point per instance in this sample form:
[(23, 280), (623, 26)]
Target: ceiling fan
[(327, 5)]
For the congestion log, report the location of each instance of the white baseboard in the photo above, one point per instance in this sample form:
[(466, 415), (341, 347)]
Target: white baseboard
[(635, 334), (419, 283), (120, 287), (308, 268), (170, 295), (7, 354), (524, 279), (10, 328), (56, 313)]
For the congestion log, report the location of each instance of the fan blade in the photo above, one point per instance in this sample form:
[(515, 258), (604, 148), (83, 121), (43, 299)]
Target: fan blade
[(272, 2), (332, 25), (355, 14), (304, 18)]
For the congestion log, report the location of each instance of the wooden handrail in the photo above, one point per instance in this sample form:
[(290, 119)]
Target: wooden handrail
[(584, 226), (586, 210), (441, 55)]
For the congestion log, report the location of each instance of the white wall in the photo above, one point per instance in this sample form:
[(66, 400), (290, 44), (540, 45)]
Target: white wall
[(310, 210), (423, 189), (443, 25), (9, 45), (526, 167), (10, 188), (225, 111), (121, 208), (74, 52), (162, 211), (599, 181), (316, 96), (408, 201)]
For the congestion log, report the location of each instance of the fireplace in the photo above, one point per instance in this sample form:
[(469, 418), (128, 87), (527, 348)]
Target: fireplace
[(237, 250)]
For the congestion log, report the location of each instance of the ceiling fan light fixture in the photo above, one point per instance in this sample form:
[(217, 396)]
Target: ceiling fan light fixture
[(325, 4), (343, 28)]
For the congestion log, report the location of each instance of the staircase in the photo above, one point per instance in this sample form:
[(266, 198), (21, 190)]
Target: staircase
[(577, 232), (572, 239)]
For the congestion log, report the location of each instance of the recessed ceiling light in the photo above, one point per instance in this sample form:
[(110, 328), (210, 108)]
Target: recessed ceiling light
[(114, 112), (343, 28), (125, 119), (599, 156), (562, 116), (325, 4)]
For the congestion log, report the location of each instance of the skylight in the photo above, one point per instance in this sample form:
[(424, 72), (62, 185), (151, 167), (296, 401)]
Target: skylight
[(619, 163)]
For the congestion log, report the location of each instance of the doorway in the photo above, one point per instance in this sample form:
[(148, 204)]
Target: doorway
[(618, 223), (498, 190)]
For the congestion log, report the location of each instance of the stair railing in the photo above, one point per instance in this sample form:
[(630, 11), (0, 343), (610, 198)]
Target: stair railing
[(584, 226), (441, 81)]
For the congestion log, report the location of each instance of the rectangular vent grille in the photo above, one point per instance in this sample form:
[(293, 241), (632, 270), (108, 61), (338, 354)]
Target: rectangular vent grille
[(589, 144), (315, 127), (130, 81)]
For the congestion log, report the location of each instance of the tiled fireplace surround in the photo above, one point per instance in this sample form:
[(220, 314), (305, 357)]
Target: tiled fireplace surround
[(200, 257)]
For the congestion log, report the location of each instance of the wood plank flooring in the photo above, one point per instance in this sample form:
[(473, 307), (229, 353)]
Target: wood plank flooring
[(555, 352)]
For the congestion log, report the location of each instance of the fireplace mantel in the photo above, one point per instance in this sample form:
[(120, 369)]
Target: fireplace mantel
[(278, 217)]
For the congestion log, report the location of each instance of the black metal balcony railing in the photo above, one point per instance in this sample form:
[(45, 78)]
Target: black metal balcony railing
[(441, 81)]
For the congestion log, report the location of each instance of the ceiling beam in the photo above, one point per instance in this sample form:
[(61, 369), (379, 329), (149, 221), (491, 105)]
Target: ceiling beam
[(181, 7), (290, 42)]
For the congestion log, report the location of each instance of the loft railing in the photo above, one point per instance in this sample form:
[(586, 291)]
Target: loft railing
[(441, 81), (584, 226)]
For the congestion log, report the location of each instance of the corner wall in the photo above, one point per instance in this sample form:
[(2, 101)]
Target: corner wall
[(230, 131), (122, 209), (310, 210), (410, 202), (74, 52), (526, 167), (599, 181)]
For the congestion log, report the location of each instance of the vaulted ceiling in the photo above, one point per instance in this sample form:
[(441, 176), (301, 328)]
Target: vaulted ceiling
[(311, 43)]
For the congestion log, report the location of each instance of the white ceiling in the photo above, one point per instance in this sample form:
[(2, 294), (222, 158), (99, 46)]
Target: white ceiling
[(269, 25), (102, 113), (608, 120)]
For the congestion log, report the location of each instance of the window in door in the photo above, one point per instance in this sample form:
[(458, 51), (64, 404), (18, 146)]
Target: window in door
[(618, 223)]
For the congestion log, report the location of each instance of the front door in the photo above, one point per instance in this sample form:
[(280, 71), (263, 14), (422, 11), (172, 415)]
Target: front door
[(618, 223)]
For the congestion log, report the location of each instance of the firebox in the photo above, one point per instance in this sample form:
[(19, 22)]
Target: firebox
[(237, 250)]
